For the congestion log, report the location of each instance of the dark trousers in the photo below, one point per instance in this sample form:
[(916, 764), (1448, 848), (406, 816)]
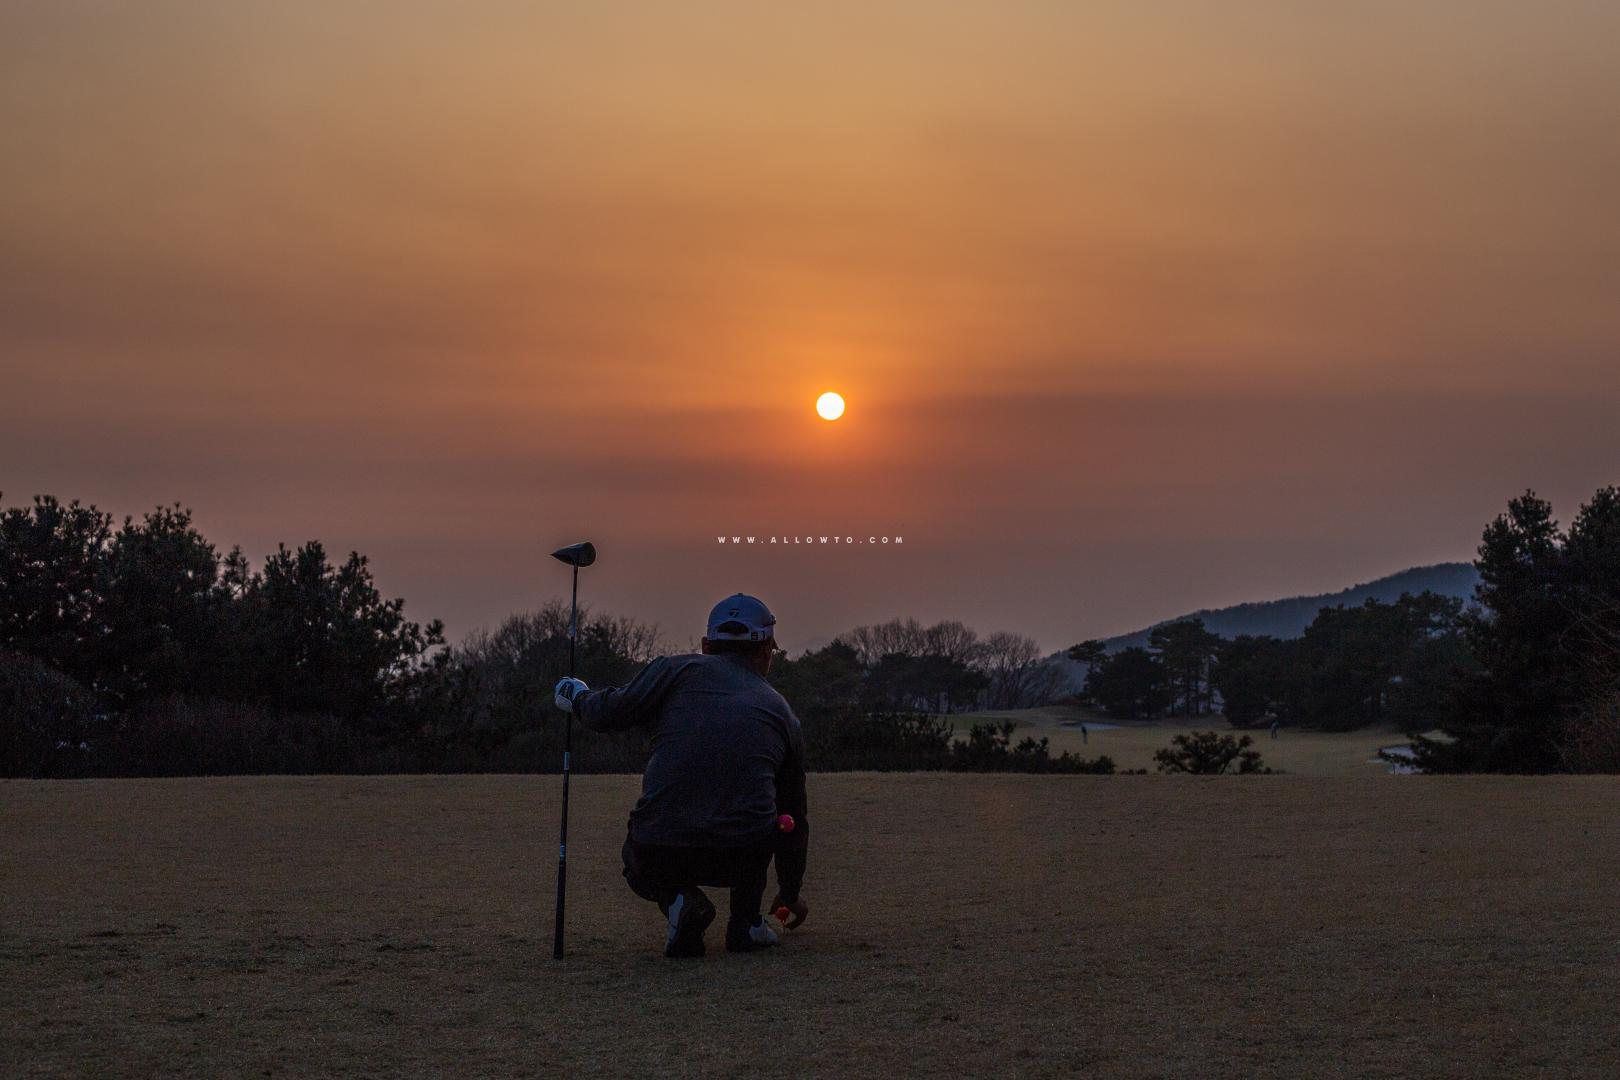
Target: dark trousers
[(657, 873)]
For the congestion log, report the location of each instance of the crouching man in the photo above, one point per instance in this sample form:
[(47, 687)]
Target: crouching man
[(727, 761)]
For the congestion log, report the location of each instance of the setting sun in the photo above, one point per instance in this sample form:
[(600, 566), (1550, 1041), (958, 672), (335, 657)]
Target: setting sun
[(830, 405)]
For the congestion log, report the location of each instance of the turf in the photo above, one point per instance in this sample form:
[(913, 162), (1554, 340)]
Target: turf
[(988, 925), (1132, 743)]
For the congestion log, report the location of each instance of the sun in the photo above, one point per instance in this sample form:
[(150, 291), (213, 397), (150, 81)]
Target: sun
[(830, 405)]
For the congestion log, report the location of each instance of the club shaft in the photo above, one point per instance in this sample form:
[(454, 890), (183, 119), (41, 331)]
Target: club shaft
[(573, 624), (562, 870), (568, 754)]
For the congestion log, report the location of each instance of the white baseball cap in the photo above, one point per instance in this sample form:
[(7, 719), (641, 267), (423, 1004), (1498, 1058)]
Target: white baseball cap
[(741, 617)]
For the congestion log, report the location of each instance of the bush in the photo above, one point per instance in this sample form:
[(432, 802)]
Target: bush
[(1208, 753), (220, 738), (884, 742), (48, 722), (989, 749), (1591, 744)]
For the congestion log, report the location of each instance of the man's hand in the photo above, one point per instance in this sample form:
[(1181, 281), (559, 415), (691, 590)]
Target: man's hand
[(799, 910), (567, 690)]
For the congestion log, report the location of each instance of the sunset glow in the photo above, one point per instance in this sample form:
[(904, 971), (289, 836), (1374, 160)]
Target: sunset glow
[(1199, 303)]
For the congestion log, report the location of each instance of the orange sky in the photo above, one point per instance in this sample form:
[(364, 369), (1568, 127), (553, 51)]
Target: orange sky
[(1138, 307)]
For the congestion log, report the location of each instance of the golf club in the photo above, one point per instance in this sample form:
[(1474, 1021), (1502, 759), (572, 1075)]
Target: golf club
[(575, 555)]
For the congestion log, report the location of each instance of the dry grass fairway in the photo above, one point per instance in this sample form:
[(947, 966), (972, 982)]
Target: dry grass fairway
[(1132, 743), (1111, 926)]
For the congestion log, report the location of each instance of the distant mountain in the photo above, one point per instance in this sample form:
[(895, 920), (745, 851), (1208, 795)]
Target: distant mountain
[(1289, 618)]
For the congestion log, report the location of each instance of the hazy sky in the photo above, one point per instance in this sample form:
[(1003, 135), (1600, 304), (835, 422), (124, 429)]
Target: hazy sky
[(1138, 307)]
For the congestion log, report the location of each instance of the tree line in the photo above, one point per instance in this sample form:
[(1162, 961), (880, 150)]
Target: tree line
[(1394, 663), (1524, 679), (141, 649), (903, 666)]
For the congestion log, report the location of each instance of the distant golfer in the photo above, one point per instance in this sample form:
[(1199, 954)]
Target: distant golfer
[(727, 761)]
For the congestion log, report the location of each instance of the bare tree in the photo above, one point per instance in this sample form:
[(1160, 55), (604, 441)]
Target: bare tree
[(636, 641), (872, 643), (514, 666), (1019, 676), (520, 636), (953, 640)]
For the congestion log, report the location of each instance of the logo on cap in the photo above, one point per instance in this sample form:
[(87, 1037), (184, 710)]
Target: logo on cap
[(741, 618)]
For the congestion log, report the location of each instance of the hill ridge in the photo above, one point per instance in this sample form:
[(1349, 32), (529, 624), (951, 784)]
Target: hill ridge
[(1289, 616)]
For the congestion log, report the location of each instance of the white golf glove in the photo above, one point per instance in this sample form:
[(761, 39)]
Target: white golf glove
[(567, 690)]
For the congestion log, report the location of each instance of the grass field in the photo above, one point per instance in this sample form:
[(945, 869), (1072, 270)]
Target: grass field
[(1279, 926), (1131, 743)]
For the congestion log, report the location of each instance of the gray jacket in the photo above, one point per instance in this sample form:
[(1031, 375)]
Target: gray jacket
[(728, 757)]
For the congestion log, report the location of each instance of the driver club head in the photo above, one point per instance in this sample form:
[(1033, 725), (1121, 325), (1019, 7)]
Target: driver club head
[(580, 554)]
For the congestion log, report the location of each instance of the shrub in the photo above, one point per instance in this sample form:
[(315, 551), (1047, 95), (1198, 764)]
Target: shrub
[(1591, 743), (989, 748), (1209, 753), (48, 722), (884, 742)]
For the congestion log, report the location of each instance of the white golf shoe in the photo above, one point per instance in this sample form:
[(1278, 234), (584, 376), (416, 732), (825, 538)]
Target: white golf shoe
[(689, 915), (747, 939)]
